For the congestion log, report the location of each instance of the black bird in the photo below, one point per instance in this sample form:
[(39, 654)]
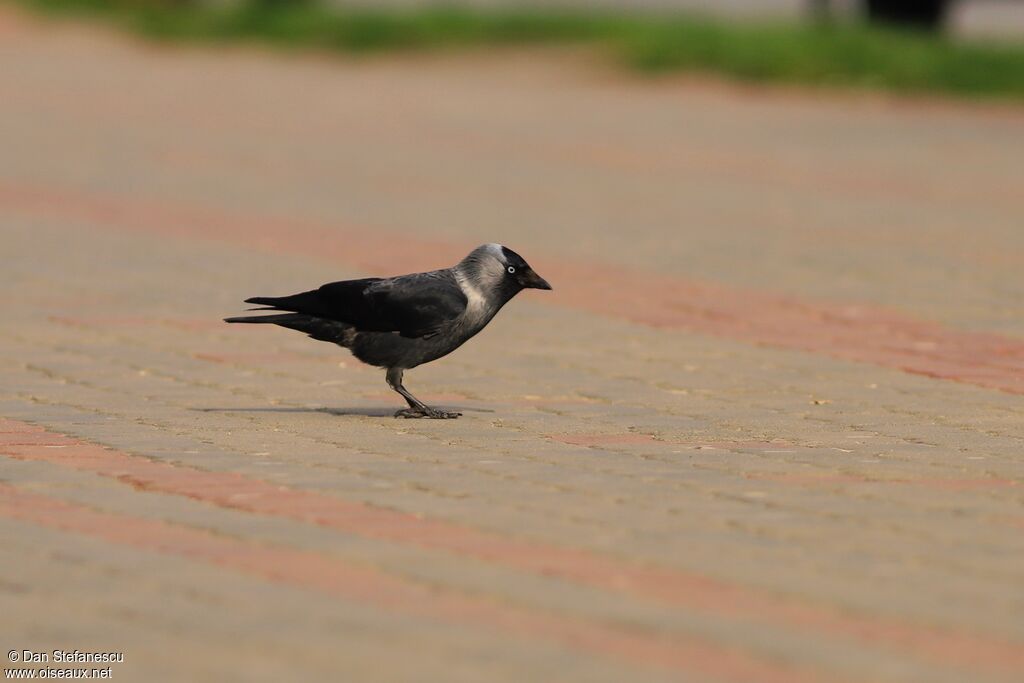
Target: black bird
[(401, 322)]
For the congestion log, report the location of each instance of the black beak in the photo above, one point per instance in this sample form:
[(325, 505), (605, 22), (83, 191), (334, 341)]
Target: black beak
[(530, 280)]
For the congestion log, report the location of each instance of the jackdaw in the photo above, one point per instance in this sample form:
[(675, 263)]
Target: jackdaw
[(401, 322)]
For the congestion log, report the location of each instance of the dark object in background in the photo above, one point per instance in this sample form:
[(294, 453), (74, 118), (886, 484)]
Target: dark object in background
[(401, 322), (928, 14)]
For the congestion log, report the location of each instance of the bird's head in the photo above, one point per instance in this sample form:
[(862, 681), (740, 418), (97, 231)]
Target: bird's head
[(498, 268), (519, 271)]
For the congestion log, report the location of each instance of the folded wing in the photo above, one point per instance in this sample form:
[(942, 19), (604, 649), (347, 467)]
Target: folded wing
[(418, 305)]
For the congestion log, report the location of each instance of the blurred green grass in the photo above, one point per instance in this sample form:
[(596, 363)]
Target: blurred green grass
[(808, 53)]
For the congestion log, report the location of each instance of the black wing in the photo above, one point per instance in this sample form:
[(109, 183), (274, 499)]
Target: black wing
[(416, 305)]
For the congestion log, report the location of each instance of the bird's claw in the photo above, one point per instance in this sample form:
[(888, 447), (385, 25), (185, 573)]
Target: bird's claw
[(429, 413)]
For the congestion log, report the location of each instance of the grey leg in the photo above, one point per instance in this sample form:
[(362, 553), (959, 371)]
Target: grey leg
[(417, 408)]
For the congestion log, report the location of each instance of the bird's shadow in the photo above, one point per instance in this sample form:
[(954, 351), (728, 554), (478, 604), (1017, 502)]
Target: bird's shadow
[(340, 412)]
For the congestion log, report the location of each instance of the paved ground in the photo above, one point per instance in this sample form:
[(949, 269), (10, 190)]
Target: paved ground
[(767, 427)]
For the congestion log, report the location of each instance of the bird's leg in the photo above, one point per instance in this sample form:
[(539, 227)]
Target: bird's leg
[(395, 382), (417, 408)]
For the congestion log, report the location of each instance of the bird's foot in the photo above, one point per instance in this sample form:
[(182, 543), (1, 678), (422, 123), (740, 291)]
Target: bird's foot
[(430, 413)]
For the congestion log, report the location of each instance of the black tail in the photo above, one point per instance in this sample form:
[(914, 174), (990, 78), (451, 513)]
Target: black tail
[(275, 319), (317, 328), (272, 301)]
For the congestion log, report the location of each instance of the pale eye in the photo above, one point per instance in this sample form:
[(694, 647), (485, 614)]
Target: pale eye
[(511, 269)]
